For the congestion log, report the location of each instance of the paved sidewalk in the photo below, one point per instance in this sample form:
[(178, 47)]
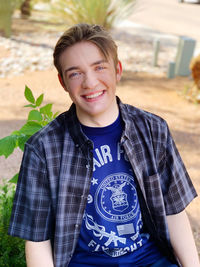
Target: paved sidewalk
[(172, 17)]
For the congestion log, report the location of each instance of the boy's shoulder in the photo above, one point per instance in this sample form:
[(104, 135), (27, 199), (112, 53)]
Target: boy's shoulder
[(55, 128), (138, 114)]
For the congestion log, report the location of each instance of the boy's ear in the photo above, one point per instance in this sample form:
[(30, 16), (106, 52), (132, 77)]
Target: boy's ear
[(61, 82), (119, 71)]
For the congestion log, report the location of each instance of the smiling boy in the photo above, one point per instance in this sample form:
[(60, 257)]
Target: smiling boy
[(91, 83), (103, 184)]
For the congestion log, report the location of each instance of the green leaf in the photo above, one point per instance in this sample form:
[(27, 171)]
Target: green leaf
[(29, 95), (30, 128), (15, 133), (30, 106), (46, 110), (34, 115), (55, 115), (7, 145), (22, 140), (14, 178), (39, 100)]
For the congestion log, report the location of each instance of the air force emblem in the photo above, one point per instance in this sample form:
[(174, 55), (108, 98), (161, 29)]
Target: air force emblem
[(116, 198)]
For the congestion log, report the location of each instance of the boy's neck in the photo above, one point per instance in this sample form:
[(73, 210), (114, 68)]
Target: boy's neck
[(102, 120)]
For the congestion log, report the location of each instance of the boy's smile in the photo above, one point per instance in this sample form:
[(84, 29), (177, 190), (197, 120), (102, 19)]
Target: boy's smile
[(91, 80)]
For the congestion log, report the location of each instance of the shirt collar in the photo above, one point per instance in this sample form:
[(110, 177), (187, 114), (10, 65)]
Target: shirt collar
[(74, 127), (80, 138), (127, 119)]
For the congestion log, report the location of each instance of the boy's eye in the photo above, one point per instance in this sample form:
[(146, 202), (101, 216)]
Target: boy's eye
[(100, 67), (74, 75)]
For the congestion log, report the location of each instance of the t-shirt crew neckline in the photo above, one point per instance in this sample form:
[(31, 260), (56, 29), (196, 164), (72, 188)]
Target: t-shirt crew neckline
[(88, 130)]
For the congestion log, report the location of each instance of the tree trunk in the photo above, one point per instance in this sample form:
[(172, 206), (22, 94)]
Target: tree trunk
[(26, 8), (5, 18)]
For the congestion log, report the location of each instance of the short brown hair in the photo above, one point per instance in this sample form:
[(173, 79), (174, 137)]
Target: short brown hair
[(95, 34)]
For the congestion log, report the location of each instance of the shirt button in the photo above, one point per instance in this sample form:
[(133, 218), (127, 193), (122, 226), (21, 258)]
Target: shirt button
[(87, 166), (76, 226)]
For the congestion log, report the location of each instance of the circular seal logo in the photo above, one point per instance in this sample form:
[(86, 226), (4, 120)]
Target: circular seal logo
[(116, 198)]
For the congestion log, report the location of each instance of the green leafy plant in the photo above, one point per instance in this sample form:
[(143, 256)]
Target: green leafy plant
[(38, 117), (103, 12), (11, 248)]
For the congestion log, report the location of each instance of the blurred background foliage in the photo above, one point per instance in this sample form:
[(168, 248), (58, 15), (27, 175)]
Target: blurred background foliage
[(104, 12), (7, 8), (193, 92)]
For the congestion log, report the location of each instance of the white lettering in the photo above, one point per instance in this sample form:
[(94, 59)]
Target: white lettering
[(133, 247), (140, 242), (92, 243), (99, 156), (115, 253), (104, 158), (126, 249), (106, 153), (97, 248), (96, 163), (120, 150)]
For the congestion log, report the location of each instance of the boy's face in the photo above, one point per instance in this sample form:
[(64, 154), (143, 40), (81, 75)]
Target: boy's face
[(91, 81)]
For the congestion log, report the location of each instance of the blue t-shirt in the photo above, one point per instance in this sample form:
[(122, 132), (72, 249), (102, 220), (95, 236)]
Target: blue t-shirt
[(112, 231)]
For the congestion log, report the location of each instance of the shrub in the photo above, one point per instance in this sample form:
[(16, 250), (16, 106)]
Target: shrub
[(103, 12), (38, 117), (193, 91), (195, 68), (11, 248), (12, 252)]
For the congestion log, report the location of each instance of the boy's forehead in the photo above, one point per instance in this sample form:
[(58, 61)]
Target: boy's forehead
[(87, 45), (84, 50)]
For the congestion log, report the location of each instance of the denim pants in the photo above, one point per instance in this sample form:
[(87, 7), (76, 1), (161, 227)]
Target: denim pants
[(163, 263)]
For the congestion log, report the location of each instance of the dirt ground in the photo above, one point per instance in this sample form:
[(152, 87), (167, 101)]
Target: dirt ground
[(156, 94)]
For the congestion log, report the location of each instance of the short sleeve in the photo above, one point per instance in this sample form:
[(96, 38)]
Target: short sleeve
[(31, 213), (177, 186)]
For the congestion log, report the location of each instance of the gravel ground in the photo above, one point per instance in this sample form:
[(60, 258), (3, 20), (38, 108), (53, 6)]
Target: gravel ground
[(32, 51)]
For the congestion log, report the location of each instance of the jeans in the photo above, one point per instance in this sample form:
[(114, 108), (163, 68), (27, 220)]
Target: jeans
[(163, 263)]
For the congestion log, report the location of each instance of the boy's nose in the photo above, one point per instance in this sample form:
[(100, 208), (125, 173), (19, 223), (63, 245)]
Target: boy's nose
[(90, 81)]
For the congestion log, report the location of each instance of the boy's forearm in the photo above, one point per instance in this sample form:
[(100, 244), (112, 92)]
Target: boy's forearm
[(182, 240), (39, 254)]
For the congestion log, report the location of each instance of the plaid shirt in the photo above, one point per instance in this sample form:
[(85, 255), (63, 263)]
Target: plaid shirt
[(56, 172)]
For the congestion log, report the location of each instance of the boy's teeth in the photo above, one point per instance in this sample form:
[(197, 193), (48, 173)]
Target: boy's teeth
[(94, 95)]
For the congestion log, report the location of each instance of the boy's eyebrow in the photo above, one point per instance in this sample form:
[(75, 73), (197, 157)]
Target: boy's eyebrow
[(72, 68), (99, 62), (93, 64)]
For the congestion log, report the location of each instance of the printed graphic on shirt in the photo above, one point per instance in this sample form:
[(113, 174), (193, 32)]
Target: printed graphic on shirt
[(112, 200), (104, 156), (112, 221)]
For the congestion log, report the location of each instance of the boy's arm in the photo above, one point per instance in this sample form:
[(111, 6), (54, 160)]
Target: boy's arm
[(182, 239), (39, 254)]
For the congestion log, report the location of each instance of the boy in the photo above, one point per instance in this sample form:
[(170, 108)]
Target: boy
[(103, 184)]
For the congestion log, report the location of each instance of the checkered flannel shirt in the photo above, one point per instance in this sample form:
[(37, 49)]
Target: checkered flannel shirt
[(56, 171)]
